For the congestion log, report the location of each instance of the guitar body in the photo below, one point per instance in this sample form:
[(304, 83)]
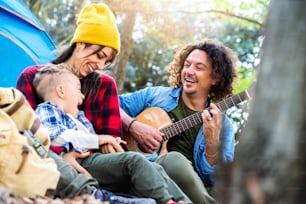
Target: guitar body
[(155, 117), (158, 118)]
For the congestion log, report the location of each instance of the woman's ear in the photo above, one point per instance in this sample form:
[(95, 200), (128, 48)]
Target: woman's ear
[(60, 91)]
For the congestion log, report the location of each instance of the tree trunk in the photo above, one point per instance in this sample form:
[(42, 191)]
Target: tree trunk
[(128, 12), (126, 48), (270, 162)]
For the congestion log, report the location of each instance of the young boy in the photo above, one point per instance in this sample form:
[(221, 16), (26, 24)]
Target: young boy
[(69, 129), (127, 172)]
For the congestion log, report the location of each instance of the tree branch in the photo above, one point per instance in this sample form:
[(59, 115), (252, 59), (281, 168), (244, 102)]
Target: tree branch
[(212, 11)]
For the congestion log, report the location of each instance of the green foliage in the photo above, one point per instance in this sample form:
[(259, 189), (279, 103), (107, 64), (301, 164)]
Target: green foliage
[(248, 13), (146, 65), (57, 16), (245, 79)]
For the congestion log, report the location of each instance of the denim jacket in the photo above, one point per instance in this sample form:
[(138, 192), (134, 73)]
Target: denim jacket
[(167, 98)]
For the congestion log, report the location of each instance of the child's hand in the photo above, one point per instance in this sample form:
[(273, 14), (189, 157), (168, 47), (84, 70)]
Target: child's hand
[(71, 157), (120, 141), (107, 139)]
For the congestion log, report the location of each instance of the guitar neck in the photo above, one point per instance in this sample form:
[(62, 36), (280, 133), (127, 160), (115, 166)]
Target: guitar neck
[(196, 118)]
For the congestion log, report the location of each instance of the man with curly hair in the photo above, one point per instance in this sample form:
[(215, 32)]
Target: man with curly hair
[(200, 74)]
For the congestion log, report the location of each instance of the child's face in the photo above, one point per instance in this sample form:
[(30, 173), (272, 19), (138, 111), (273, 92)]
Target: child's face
[(73, 97)]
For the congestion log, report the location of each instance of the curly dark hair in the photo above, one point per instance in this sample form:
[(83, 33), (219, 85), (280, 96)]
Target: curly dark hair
[(222, 59)]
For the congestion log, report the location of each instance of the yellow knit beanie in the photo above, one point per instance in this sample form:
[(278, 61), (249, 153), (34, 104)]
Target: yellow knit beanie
[(96, 25)]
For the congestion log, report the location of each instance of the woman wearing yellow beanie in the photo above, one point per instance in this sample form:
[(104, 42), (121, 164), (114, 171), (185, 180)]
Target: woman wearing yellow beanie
[(94, 46)]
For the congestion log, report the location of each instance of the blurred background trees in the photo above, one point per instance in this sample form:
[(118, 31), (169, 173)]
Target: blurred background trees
[(152, 30)]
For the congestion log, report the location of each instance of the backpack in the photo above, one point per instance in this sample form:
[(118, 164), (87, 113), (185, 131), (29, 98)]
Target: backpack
[(22, 170)]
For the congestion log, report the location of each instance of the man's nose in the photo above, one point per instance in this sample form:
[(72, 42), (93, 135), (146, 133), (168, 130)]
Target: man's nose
[(190, 70)]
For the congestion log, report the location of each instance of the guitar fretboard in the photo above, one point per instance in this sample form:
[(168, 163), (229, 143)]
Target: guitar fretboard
[(196, 118)]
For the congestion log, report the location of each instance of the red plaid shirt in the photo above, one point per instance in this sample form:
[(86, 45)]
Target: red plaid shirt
[(103, 112)]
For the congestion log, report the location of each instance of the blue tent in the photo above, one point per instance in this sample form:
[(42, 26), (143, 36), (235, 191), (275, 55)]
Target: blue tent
[(23, 41)]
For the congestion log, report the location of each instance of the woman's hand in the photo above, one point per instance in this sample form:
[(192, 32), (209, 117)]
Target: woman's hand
[(71, 157), (110, 144)]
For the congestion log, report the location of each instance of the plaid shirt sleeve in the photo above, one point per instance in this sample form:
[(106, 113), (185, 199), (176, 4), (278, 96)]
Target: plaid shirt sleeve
[(25, 85), (82, 118), (103, 111), (52, 118)]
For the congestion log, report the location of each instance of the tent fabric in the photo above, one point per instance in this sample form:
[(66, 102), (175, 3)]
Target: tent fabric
[(23, 41)]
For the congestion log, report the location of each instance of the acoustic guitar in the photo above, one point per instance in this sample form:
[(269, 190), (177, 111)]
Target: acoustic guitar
[(158, 118)]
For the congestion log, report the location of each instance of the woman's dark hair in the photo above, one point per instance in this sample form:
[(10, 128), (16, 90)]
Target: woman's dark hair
[(64, 55), (90, 85)]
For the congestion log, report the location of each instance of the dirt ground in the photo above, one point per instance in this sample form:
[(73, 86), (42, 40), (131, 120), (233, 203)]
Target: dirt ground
[(7, 198)]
